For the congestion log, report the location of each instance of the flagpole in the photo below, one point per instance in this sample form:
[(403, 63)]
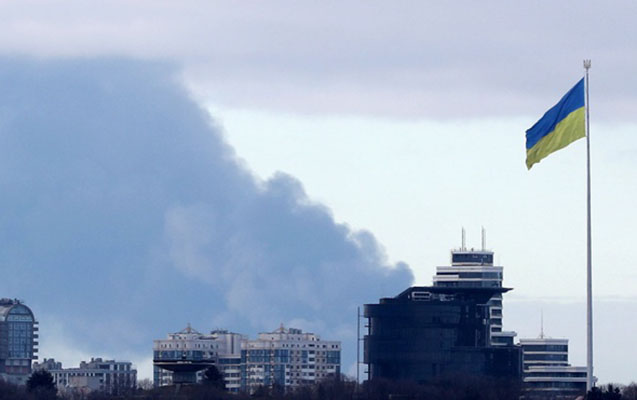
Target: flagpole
[(589, 288)]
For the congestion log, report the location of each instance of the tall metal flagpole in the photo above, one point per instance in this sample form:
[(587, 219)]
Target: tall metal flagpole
[(589, 288), (358, 346)]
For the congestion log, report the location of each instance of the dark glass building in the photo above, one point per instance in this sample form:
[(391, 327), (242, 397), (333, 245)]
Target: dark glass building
[(429, 332)]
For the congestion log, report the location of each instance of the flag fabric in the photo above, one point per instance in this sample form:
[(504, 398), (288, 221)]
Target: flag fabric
[(563, 124)]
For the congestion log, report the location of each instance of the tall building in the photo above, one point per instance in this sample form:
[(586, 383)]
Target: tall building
[(108, 376), (18, 341), (429, 332), (475, 268), (288, 358), (547, 373), (229, 357), (183, 357)]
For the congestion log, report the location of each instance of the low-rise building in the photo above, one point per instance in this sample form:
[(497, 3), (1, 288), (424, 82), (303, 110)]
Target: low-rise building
[(109, 376), (547, 373)]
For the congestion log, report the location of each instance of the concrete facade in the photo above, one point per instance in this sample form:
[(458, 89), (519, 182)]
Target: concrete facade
[(184, 356), (288, 358), (108, 376), (285, 358)]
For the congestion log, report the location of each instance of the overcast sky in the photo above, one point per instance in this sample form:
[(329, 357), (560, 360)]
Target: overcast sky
[(406, 121)]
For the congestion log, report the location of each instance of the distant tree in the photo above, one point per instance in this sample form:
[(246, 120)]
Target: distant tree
[(609, 392), (450, 387), (630, 392), (41, 385), (10, 391), (213, 377), (145, 384)]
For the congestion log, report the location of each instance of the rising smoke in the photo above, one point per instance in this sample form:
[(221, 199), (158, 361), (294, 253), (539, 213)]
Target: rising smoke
[(124, 215)]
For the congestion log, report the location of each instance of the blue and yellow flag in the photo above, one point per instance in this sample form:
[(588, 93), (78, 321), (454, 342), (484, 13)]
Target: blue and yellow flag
[(563, 124)]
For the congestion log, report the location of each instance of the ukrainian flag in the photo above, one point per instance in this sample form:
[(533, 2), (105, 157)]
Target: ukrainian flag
[(563, 124)]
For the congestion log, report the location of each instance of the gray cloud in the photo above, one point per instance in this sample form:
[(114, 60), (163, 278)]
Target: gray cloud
[(414, 59), (125, 215)]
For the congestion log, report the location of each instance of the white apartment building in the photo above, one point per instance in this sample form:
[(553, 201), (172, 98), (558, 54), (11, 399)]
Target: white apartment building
[(288, 358), (285, 358), (109, 376), (184, 356)]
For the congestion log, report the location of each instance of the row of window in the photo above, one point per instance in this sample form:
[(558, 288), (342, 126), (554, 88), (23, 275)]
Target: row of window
[(188, 346), (473, 275), (546, 347), (556, 374), (545, 357)]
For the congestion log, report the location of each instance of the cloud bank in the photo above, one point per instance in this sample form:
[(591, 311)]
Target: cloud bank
[(415, 59), (125, 215)]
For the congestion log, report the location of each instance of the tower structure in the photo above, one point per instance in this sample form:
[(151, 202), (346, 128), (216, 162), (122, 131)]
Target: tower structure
[(18, 340), (474, 268)]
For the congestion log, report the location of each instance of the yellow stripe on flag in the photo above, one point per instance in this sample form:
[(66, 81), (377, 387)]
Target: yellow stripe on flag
[(566, 131)]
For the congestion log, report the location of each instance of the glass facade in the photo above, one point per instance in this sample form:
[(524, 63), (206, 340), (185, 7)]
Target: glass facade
[(18, 344), (415, 339), (472, 257), (546, 347)]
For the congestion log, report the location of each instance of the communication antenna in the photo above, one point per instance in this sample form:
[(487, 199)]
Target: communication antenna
[(484, 239), (541, 323), (464, 240)]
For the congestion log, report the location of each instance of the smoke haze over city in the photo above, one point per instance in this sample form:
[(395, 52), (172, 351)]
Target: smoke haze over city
[(242, 165), (126, 216)]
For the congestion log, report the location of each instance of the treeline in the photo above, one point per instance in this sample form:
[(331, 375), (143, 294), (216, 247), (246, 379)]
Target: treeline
[(452, 388)]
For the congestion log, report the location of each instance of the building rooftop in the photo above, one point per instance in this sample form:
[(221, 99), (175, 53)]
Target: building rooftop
[(444, 293)]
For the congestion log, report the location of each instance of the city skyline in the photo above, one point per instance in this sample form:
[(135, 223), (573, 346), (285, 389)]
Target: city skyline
[(393, 126)]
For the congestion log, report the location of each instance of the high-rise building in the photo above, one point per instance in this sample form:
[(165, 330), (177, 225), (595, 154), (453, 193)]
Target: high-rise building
[(108, 376), (18, 341), (185, 355), (288, 358), (429, 332), (229, 357), (547, 373), (475, 268)]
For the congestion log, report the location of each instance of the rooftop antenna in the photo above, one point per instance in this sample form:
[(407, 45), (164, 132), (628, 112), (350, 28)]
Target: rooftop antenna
[(484, 239), (464, 240), (541, 323)]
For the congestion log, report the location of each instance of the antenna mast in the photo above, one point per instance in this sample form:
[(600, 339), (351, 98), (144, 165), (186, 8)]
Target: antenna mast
[(464, 240), (484, 239)]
